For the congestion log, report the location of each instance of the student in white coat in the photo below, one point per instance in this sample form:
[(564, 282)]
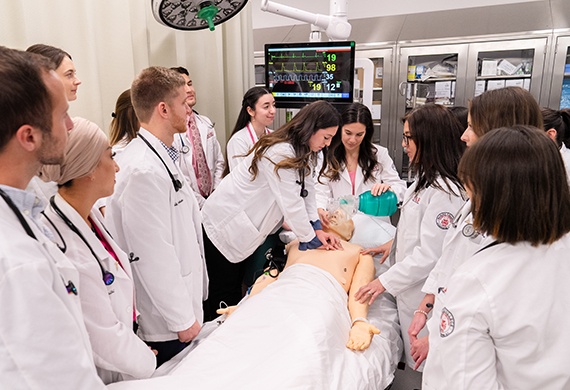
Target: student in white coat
[(356, 165), (275, 182), (154, 217), (431, 139), (256, 115), (123, 129), (43, 339), (557, 126), (201, 160), (86, 174), (486, 337), (65, 69), (490, 110)]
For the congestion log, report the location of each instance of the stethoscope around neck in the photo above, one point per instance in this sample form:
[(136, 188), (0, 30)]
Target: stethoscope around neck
[(304, 192), (108, 277), (185, 149), (69, 286), (175, 182)]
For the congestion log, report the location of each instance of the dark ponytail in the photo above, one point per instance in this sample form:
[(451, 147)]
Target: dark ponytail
[(249, 100)]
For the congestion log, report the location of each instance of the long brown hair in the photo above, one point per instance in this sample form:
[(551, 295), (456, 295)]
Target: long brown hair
[(297, 132), (503, 108), (354, 113), (519, 187), (125, 124), (249, 100), (436, 133)]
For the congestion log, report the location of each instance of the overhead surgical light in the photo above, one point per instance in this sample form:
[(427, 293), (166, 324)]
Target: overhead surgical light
[(191, 15)]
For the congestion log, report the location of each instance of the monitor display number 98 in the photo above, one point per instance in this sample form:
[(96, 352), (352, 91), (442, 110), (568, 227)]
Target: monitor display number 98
[(300, 73)]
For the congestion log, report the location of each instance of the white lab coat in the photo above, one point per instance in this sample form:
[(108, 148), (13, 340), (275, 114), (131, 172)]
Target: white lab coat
[(212, 150), (460, 243), (107, 310), (43, 341), (240, 144), (565, 152), (384, 172), (504, 320), (241, 213), (425, 219), (160, 231)]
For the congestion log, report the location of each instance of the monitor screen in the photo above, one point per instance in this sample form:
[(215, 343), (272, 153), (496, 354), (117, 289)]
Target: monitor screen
[(301, 73)]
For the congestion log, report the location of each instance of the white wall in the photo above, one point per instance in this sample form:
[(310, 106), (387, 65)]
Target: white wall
[(358, 9), (111, 41)]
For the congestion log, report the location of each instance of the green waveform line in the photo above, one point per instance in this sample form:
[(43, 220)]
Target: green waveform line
[(273, 56), (305, 69)]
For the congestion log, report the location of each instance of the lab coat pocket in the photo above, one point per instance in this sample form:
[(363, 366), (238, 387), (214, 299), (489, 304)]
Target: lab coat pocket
[(242, 237)]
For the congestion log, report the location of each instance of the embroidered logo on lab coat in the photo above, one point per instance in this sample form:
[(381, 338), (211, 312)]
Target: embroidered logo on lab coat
[(444, 220), (447, 324), (416, 199)]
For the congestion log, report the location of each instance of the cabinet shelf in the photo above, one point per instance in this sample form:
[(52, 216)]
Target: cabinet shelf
[(509, 76), (433, 79)]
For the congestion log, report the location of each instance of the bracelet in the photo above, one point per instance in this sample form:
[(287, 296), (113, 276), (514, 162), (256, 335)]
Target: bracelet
[(359, 319), (423, 312)]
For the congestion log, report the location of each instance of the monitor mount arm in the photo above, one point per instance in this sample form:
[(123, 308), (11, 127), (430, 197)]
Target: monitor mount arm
[(335, 25)]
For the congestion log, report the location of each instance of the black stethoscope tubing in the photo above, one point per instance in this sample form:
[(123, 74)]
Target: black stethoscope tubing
[(175, 182), (108, 277), (69, 286), (304, 193)]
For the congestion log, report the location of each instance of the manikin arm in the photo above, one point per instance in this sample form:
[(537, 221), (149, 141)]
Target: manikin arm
[(362, 332), (268, 277)]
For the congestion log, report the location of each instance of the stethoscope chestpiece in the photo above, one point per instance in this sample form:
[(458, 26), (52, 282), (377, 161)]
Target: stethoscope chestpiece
[(108, 278)]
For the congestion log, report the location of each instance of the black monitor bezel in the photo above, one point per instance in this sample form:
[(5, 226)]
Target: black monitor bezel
[(299, 102)]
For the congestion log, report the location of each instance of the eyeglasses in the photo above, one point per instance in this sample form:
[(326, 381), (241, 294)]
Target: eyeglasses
[(406, 138)]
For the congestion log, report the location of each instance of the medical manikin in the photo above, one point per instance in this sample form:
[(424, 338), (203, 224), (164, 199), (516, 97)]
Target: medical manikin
[(348, 267)]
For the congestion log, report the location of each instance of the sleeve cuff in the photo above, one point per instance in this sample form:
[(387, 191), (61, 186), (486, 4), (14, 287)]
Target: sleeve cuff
[(313, 244), (317, 225)]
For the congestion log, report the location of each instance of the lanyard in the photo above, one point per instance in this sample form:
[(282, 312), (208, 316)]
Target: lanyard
[(253, 135)]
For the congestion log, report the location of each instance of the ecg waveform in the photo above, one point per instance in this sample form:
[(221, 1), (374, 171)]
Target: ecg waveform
[(318, 67), (298, 77), (282, 56)]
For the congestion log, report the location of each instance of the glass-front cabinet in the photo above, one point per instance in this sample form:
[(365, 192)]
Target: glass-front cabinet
[(381, 87), (560, 87), (428, 74), (517, 63)]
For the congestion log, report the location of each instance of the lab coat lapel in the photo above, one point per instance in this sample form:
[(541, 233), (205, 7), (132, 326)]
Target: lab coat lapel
[(203, 132), (85, 230), (157, 145), (96, 217), (358, 180), (346, 176)]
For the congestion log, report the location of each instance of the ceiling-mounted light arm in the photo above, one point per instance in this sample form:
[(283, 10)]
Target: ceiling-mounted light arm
[(336, 25)]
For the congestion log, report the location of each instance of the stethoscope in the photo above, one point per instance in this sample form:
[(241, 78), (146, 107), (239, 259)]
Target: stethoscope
[(175, 182), (301, 181), (69, 286), (108, 277), (185, 148)]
